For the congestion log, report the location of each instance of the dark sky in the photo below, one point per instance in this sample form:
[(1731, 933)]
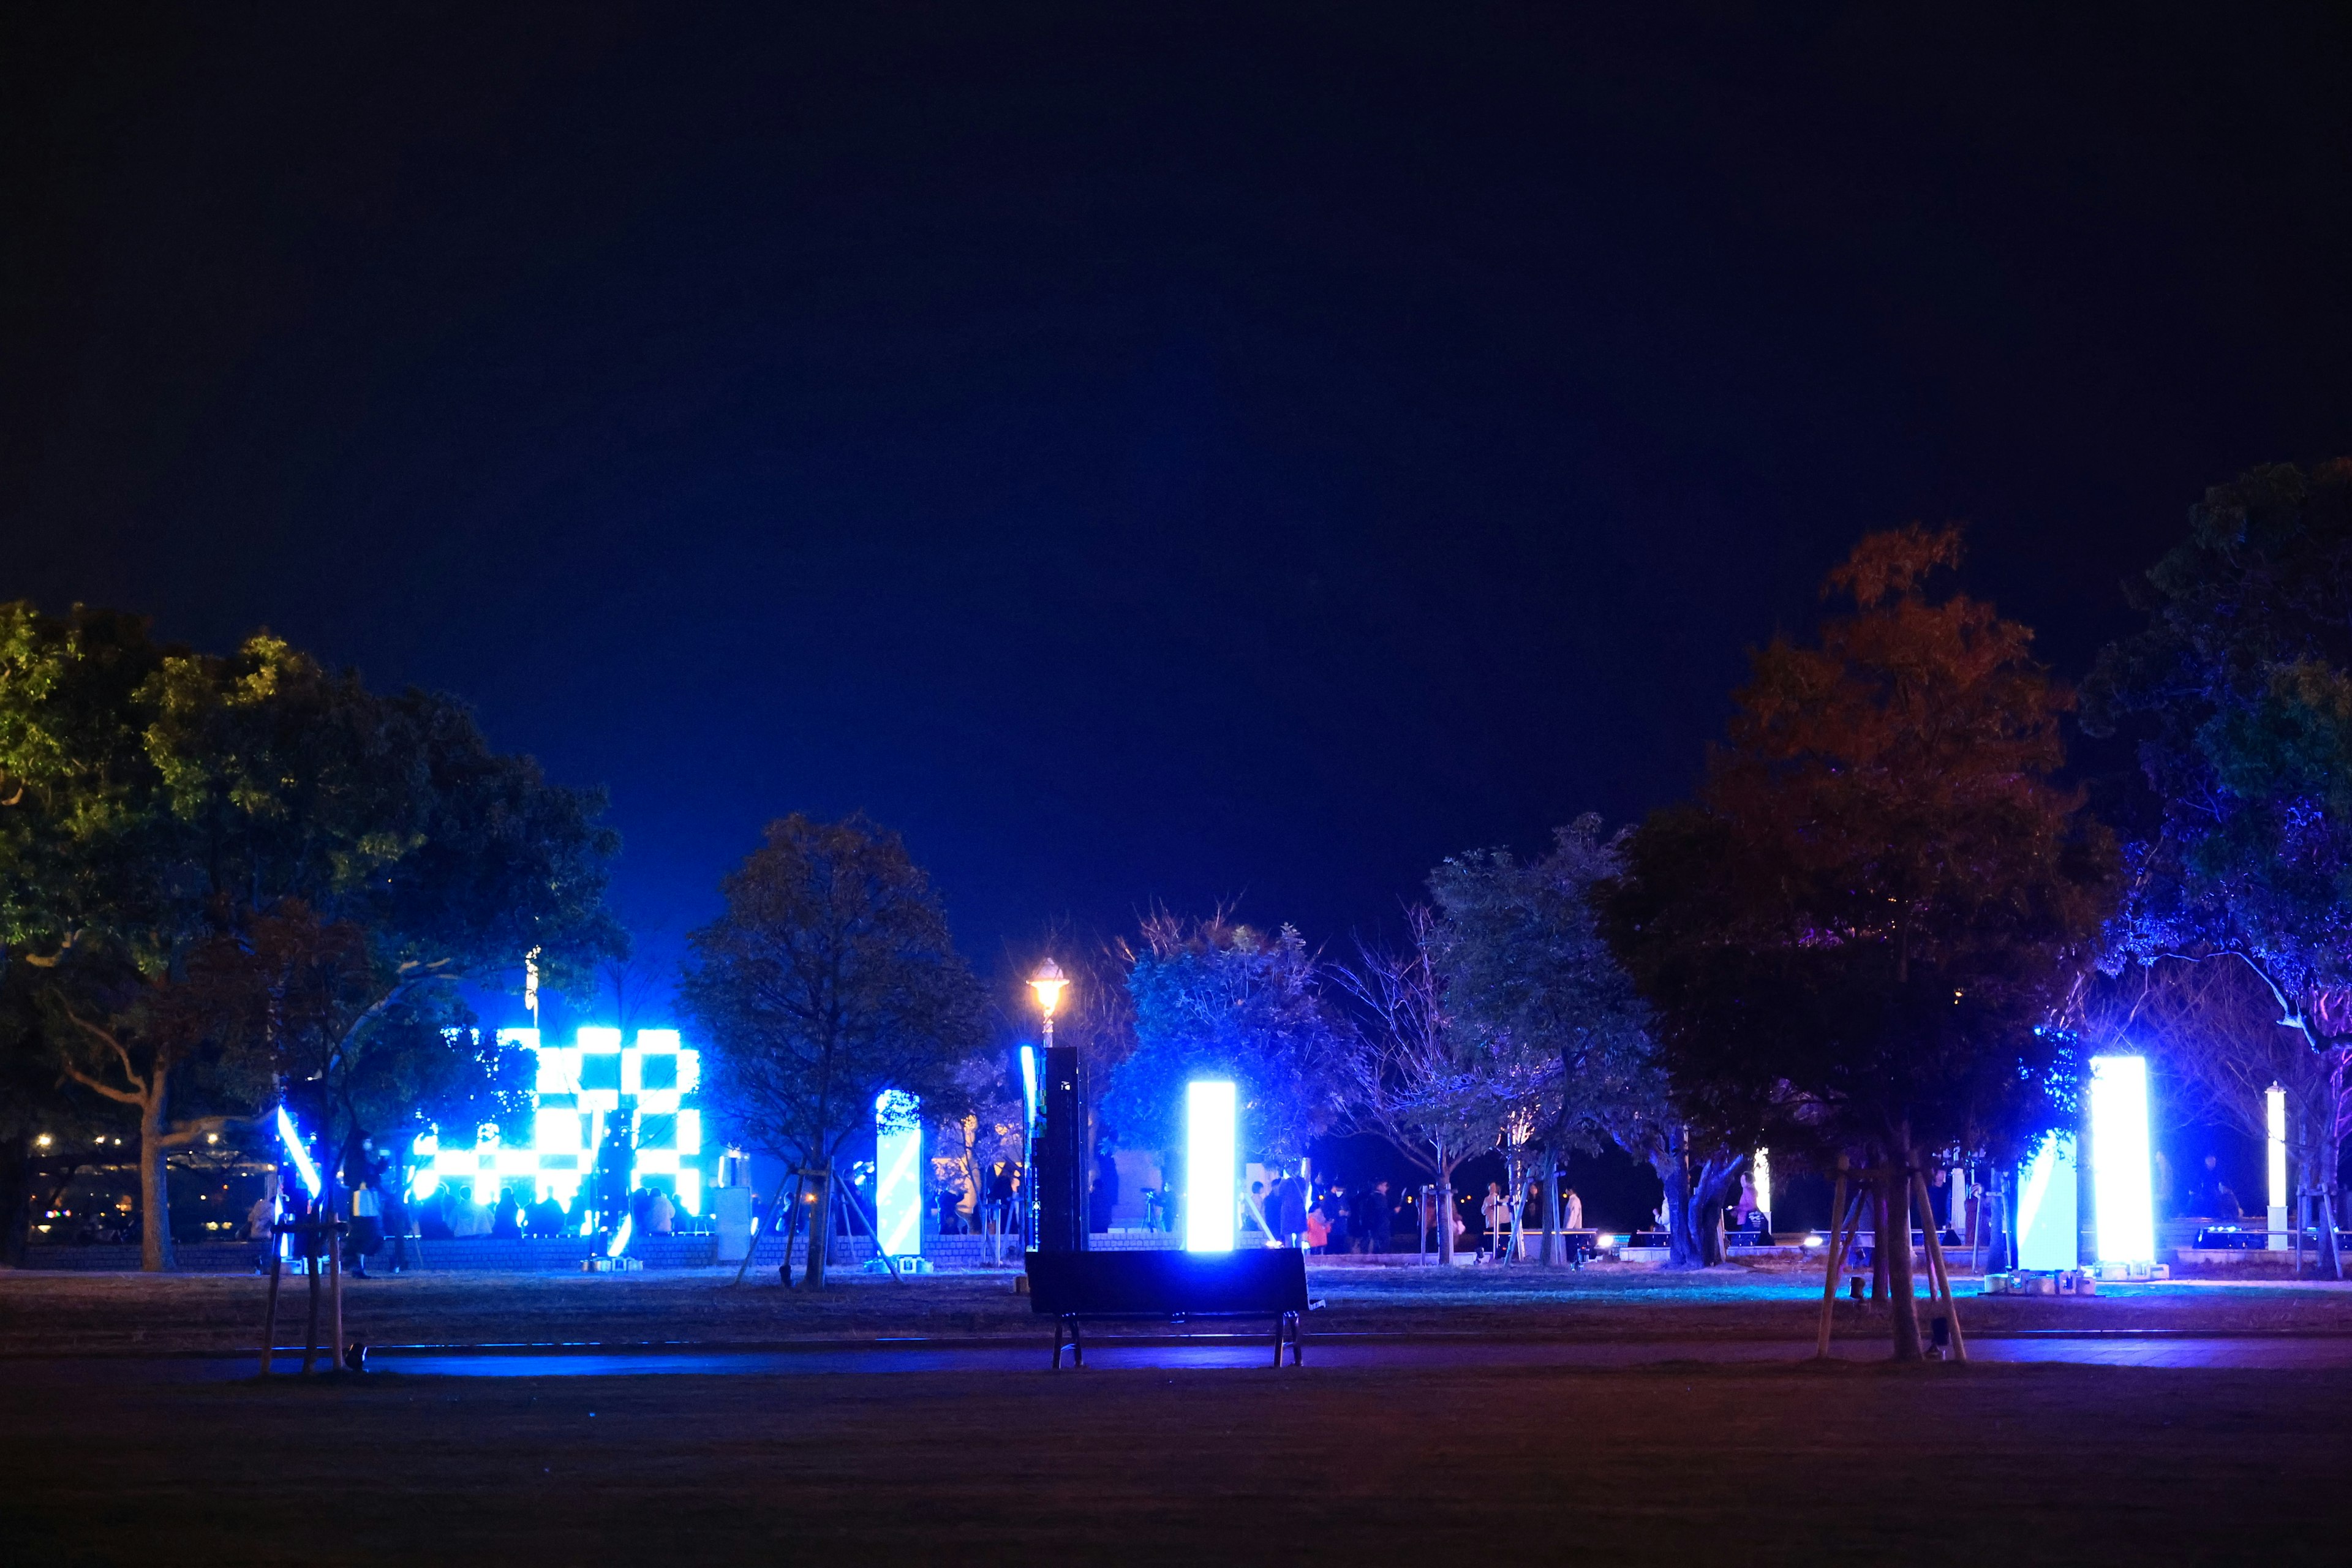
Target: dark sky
[(1141, 453)]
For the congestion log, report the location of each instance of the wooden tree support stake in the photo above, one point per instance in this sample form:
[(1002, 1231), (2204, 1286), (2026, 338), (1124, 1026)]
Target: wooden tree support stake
[(1830, 1273), (1941, 1275)]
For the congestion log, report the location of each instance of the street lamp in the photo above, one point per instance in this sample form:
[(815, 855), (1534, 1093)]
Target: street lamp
[(1048, 983)]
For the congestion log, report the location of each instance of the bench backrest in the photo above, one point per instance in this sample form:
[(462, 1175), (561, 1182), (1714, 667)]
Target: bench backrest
[(1163, 1282)]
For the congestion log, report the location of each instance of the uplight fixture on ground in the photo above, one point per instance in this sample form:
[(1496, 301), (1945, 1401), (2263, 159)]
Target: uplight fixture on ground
[(1210, 1171), (898, 1173), (2122, 1180), (2275, 1162)]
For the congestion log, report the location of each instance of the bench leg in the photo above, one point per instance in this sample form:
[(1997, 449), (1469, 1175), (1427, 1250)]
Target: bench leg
[(1298, 1339), (1281, 1328), (1077, 1347)]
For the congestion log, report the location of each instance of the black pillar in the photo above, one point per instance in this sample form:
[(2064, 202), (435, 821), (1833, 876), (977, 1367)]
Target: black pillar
[(1061, 1154)]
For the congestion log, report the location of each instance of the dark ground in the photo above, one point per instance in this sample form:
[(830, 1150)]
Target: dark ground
[(1671, 1461), (1664, 1464)]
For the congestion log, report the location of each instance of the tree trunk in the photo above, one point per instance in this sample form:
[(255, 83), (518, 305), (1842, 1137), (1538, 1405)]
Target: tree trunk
[(1672, 1163), (1442, 1217), (154, 1183), (15, 1200), (1895, 1201), (2330, 1260), (820, 1242), (1552, 1237)]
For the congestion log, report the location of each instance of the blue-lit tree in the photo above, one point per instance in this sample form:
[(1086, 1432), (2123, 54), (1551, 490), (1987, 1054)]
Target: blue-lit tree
[(1213, 998), (2239, 691)]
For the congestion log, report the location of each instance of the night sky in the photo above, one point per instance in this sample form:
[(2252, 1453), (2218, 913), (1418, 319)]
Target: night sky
[(1141, 454)]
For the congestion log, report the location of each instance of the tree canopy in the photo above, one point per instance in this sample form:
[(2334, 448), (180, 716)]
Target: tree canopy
[(1852, 939), (829, 978), (1214, 998), (172, 819)]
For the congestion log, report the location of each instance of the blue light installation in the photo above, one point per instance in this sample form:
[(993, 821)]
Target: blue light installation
[(302, 1164), (898, 1173), (1029, 1079), (2121, 1175), (2046, 1207), (1210, 1172)]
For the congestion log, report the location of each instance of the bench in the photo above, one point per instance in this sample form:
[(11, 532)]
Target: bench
[(1072, 1288)]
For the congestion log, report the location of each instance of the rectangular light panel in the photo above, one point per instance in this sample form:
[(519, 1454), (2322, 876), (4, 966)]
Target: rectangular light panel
[(2121, 1178), (1210, 1167), (2046, 1202), (897, 1179)]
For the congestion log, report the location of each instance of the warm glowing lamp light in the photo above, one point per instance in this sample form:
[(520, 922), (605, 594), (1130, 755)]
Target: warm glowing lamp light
[(1210, 1168), (1048, 983), (898, 1182), (2046, 1202), (2122, 1182)]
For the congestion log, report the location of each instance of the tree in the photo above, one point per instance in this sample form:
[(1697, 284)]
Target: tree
[(1524, 964), (1852, 939), (1217, 999), (2239, 691), (166, 801), (830, 978), (1411, 1075)]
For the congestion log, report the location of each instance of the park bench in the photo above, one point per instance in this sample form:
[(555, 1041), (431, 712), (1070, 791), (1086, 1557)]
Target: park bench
[(1073, 1288)]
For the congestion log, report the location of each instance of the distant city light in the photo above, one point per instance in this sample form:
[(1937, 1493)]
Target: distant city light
[(1210, 1172), (2123, 1182)]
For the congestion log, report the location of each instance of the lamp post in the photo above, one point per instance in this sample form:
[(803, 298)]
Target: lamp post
[(2274, 1168), (1048, 983)]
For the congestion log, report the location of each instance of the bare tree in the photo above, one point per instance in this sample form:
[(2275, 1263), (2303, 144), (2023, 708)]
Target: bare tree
[(1410, 1077), (2219, 1024)]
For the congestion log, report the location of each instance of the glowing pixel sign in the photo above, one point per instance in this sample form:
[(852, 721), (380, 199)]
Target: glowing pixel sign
[(583, 1092)]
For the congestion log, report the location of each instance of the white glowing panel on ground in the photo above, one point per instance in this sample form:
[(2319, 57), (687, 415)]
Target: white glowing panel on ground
[(1210, 1171), (898, 1178), (2046, 1200), (2123, 1185)]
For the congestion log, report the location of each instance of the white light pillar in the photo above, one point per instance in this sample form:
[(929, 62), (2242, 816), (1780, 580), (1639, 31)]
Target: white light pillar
[(1210, 1172), (898, 1173), (2123, 1182), (1762, 1182), (2275, 1164), (2046, 1200)]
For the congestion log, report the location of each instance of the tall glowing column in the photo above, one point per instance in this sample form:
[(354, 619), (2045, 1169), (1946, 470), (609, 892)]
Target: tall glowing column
[(1209, 1173), (898, 1173), (2275, 1110), (1762, 1182), (2122, 1179), (2046, 1207)]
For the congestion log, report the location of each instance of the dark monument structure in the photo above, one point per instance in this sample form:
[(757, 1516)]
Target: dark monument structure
[(1061, 1154)]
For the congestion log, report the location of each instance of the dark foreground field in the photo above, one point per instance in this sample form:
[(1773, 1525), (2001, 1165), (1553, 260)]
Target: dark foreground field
[(1661, 1464), (132, 1455)]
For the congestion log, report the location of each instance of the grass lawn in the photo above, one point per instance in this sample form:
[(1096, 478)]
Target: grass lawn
[(66, 1313), (1667, 1463)]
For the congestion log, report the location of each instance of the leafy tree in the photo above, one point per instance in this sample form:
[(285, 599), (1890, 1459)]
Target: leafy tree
[(830, 978), (1525, 968), (1852, 938), (167, 802), (1217, 999), (2240, 693)]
